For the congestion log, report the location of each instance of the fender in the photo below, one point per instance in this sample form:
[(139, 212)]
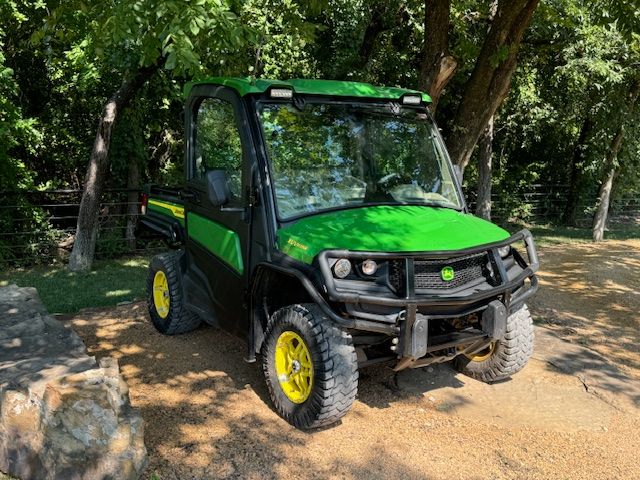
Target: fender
[(256, 334)]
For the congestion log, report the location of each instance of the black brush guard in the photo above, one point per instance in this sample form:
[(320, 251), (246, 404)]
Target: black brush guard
[(411, 324)]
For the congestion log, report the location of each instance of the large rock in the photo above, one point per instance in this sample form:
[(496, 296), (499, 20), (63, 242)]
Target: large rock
[(62, 415)]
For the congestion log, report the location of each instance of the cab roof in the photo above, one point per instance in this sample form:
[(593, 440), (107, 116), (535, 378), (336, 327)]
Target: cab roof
[(246, 86)]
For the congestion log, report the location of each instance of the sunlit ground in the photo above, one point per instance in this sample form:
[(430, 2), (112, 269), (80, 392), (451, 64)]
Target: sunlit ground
[(590, 294)]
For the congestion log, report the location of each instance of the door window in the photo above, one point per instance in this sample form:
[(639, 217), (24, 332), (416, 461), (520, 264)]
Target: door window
[(217, 143)]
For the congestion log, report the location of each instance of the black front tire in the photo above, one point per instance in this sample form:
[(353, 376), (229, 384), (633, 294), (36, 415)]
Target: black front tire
[(507, 356), (179, 319), (334, 362)]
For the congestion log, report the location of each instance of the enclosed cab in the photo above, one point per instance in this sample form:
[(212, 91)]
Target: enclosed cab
[(324, 223)]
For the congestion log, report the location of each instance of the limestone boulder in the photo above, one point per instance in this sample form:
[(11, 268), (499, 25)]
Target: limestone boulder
[(62, 414)]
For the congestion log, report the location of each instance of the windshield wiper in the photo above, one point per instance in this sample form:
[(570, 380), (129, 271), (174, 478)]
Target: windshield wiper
[(450, 206)]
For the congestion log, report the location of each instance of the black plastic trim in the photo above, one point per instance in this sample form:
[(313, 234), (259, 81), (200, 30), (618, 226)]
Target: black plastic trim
[(505, 286), (352, 323), (172, 229)]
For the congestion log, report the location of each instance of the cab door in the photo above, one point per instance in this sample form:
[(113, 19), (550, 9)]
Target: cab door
[(218, 236)]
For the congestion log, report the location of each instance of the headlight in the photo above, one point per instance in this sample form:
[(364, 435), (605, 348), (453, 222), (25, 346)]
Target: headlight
[(342, 268), (369, 267), (504, 251)]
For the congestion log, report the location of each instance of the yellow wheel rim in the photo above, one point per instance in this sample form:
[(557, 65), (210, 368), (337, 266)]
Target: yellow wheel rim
[(161, 294), (294, 367), (482, 355)]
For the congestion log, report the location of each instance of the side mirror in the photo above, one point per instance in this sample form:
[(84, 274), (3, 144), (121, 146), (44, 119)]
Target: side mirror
[(458, 172), (218, 187)]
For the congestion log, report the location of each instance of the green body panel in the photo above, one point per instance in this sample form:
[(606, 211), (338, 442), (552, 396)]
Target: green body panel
[(390, 229), (173, 210), (222, 242), (245, 86)]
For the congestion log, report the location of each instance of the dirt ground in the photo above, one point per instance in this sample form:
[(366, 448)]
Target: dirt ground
[(208, 415), (590, 294)]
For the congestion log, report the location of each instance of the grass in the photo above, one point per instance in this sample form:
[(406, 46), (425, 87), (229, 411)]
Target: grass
[(555, 235), (108, 283)]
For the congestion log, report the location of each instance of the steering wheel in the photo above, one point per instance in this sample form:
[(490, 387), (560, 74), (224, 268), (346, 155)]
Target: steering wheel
[(387, 178)]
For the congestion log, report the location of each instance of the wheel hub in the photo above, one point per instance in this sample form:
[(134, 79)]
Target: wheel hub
[(161, 300), (294, 368), (483, 354)]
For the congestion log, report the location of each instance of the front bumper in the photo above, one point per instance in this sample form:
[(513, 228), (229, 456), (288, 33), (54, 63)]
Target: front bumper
[(409, 315)]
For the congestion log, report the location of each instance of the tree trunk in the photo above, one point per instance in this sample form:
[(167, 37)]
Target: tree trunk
[(383, 18), (133, 183), (371, 34), (437, 66), (571, 207), (489, 83), (610, 166), (84, 246), (604, 195), (485, 154)]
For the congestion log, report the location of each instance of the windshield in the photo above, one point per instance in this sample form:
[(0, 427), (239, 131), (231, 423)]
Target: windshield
[(326, 156)]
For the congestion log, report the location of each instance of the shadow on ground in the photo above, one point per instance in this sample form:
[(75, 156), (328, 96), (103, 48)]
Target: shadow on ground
[(590, 294), (207, 412)]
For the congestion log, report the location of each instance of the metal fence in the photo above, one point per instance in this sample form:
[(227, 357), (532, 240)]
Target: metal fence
[(39, 226), (545, 204)]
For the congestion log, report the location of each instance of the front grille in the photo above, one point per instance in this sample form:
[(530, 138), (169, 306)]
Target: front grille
[(428, 273)]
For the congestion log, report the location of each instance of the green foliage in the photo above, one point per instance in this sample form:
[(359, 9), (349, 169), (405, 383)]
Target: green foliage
[(60, 61), (19, 136), (15, 130), (129, 142), (129, 34), (576, 66), (281, 37)]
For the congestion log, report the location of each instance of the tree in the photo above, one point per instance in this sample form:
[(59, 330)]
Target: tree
[(491, 77), (485, 169), (611, 166), (134, 40), (485, 155), (577, 160), (99, 163), (437, 65)]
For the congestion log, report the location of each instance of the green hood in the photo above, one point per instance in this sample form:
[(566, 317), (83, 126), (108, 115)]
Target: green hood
[(386, 229)]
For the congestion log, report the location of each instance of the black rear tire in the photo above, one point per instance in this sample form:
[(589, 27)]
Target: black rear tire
[(178, 319), (507, 356), (334, 363)]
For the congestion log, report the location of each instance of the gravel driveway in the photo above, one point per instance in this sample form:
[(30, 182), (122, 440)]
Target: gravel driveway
[(208, 415)]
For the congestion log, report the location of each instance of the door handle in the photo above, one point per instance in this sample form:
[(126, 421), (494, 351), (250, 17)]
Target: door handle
[(190, 195)]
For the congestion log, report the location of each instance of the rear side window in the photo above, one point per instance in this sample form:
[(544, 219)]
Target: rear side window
[(217, 142)]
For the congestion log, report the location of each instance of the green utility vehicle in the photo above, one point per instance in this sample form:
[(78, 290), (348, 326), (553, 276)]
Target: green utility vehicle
[(323, 222)]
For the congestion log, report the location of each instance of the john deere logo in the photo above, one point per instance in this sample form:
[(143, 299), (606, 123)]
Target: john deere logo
[(447, 274)]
